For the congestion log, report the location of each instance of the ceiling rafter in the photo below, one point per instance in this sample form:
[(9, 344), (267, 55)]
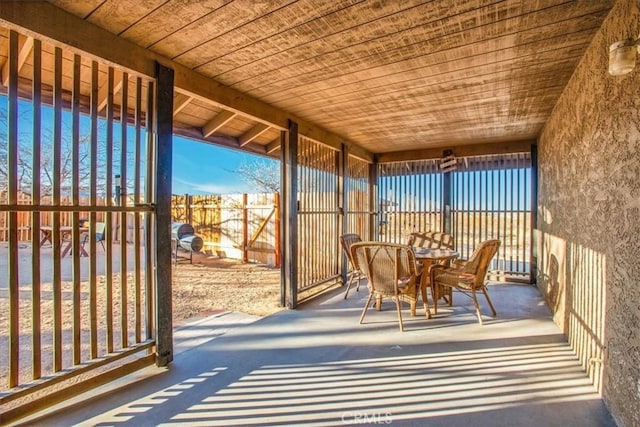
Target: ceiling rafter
[(217, 122), (252, 134), (34, 19), (180, 101), (104, 90), (391, 78), (273, 146), (25, 45)]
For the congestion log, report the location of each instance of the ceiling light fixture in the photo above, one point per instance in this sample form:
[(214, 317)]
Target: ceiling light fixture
[(622, 56)]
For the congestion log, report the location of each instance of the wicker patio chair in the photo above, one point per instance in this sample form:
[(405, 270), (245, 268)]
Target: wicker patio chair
[(346, 240), (466, 276), (99, 236), (430, 239), (391, 271)]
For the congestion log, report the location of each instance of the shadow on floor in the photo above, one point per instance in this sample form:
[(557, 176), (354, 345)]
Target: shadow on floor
[(318, 366)]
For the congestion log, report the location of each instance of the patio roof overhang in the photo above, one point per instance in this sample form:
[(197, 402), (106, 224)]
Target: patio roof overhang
[(398, 80)]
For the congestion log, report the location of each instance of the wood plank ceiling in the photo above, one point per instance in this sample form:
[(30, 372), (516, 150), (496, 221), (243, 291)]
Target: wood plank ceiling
[(386, 75)]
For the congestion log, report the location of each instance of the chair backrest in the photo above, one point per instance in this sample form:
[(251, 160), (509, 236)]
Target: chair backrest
[(479, 261), (431, 239), (346, 240), (388, 266), (100, 226)]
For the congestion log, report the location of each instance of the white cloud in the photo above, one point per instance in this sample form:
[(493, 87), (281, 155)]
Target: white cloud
[(181, 186)]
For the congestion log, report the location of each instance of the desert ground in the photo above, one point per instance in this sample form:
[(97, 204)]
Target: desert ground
[(213, 284), (207, 286)]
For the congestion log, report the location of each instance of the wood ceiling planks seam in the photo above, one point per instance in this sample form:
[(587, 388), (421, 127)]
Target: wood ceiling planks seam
[(417, 73)]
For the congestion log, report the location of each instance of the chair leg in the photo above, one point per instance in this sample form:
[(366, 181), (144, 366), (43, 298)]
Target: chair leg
[(366, 306), (399, 313), (486, 295), (475, 303), (436, 296), (349, 283), (413, 303), (425, 302)]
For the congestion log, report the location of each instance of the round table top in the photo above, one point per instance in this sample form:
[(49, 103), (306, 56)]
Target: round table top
[(431, 253)]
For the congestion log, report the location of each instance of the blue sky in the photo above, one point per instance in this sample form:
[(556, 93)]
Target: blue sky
[(200, 168)]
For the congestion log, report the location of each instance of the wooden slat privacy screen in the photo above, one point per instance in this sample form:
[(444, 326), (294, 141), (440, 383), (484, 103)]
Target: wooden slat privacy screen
[(79, 297), (490, 199), (358, 210), (318, 214), (409, 198)]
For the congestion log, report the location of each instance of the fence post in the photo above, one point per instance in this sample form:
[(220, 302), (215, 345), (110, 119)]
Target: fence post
[(188, 214), (245, 228), (277, 247)]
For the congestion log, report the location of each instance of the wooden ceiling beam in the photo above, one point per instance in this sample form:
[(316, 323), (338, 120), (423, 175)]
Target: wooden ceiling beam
[(179, 102), (523, 146), (222, 140), (24, 49), (217, 122), (252, 134), (273, 146), (34, 18), (103, 91)]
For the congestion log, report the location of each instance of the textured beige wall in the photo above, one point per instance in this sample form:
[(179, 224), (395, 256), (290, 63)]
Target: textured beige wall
[(588, 237)]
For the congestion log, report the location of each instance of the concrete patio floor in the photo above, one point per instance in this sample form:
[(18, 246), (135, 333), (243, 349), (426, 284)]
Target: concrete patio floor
[(318, 366)]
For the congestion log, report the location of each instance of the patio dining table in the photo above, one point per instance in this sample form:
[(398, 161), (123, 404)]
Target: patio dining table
[(428, 257), (65, 236)]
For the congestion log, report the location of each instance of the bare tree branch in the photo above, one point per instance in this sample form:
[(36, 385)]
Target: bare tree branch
[(261, 173)]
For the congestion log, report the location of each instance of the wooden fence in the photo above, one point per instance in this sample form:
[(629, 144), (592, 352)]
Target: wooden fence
[(242, 226), (46, 219)]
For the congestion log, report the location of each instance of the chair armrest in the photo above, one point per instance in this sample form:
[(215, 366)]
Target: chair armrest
[(458, 263), (435, 269), (452, 277)]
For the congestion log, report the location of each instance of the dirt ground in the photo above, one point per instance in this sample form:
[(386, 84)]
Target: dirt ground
[(208, 286), (211, 285)]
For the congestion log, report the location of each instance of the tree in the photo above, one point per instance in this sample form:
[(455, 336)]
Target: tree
[(261, 173), (65, 174)]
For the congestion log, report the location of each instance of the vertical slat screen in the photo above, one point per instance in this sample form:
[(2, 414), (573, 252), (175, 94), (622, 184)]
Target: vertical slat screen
[(137, 183), (318, 214), (93, 218), (77, 128), (36, 96), (358, 211), (109, 259), (75, 200), (12, 190), (149, 238), (122, 197), (409, 197), (490, 197), (491, 200), (56, 199)]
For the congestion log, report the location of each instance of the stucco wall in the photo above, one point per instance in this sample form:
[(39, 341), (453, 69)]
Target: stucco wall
[(588, 236)]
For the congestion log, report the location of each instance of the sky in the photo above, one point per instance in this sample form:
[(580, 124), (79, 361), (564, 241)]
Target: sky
[(200, 168)]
